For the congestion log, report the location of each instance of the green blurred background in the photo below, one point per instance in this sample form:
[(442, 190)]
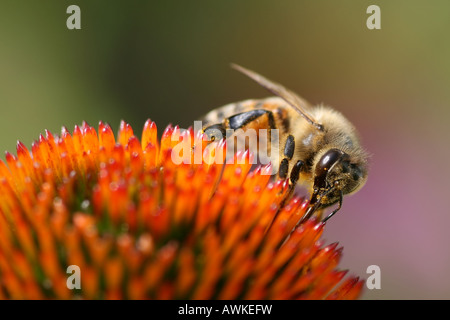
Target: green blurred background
[(169, 61)]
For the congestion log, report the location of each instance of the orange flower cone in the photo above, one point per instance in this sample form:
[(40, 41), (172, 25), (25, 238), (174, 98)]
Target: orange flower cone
[(140, 226)]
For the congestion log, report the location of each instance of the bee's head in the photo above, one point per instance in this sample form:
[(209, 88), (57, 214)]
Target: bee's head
[(336, 173)]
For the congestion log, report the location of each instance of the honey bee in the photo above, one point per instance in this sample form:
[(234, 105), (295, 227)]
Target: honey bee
[(319, 148)]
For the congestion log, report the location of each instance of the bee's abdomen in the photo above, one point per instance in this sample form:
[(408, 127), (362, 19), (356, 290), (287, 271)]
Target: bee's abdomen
[(240, 120)]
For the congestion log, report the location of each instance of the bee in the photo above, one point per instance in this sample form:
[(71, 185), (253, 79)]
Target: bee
[(319, 148)]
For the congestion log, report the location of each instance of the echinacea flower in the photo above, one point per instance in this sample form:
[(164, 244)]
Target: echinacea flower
[(139, 226)]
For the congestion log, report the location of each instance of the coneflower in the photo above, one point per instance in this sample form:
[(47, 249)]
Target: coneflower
[(139, 226)]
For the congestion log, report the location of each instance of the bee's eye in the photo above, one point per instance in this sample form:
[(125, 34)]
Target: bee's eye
[(330, 158), (345, 166), (357, 173), (327, 161)]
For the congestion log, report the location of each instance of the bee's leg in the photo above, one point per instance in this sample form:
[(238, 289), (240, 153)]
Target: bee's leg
[(293, 178), (318, 214), (337, 209), (295, 172)]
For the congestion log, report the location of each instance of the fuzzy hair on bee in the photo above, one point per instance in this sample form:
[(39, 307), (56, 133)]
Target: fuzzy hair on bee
[(319, 146)]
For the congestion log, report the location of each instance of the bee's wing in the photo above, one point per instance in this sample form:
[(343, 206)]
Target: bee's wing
[(290, 97)]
